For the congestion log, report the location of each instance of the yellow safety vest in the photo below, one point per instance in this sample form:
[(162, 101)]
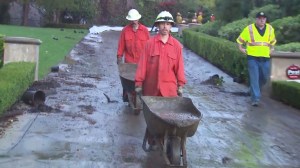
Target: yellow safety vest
[(199, 19), (178, 19), (257, 45)]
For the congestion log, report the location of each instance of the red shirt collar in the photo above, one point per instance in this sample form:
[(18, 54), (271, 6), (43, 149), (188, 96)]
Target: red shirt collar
[(170, 39)]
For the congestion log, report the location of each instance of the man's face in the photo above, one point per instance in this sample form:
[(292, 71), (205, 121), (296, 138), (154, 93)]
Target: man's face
[(135, 22), (164, 27), (261, 21)]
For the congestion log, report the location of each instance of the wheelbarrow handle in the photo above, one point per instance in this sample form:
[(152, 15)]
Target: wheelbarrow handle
[(145, 141), (131, 103)]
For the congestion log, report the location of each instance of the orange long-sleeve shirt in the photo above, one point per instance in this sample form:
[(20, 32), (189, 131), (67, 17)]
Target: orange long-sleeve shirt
[(161, 68), (132, 43)]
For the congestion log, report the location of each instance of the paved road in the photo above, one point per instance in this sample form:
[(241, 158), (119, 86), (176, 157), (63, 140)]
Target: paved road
[(84, 122)]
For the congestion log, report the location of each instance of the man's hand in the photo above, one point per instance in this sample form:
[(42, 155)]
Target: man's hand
[(271, 50), (180, 91), (119, 60), (243, 50), (138, 89)]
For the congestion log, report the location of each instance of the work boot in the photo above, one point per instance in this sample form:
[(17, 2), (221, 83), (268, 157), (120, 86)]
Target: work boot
[(254, 103), (125, 96), (152, 144), (153, 147)]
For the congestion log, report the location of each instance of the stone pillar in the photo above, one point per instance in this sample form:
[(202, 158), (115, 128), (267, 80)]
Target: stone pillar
[(22, 49), (181, 27)]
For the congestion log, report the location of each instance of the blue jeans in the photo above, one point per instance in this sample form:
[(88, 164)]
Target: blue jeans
[(259, 74)]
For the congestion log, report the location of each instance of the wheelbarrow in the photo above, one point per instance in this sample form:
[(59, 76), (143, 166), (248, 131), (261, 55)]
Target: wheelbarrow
[(170, 120), (127, 75)]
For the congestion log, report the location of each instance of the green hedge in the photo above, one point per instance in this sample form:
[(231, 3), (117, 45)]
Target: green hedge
[(222, 53), (272, 11), (231, 31), (287, 92), (210, 28), (293, 47), (14, 81), (286, 29)]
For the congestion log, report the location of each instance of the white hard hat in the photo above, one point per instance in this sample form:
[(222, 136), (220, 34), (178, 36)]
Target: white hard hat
[(133, 14), (164, 16)]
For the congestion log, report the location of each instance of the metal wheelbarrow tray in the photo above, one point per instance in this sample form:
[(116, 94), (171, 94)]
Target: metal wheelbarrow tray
[(162, 113), (170, 120), (127, 75)]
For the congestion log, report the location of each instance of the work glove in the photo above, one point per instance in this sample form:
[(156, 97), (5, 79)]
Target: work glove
[(138, 89), (180, 91), (119, 60)]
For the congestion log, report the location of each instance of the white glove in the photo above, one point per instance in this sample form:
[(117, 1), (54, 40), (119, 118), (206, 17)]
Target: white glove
[(180, 91), (119, 60), (138, 89)]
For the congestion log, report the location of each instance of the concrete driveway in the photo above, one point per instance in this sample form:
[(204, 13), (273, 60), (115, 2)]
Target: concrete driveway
[(85, 123)]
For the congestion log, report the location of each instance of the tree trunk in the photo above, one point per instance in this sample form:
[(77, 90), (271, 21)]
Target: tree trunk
[(56, 16), (25, 13), (104, 11), (130, 4)]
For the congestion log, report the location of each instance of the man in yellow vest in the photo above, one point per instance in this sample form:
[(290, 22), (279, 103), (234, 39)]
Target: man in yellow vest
[(259, 39), (200, 18), (178, 18)]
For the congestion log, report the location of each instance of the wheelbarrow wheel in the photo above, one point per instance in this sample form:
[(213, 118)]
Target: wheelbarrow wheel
[(174, 150)]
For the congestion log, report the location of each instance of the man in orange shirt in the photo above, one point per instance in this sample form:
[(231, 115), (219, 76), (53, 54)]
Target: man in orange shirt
[(132, 41), (160, 71)]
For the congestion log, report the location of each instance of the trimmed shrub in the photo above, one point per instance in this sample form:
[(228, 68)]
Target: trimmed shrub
[(15, 79), (287, 92), (287, 29), (231, 31), (210, 28), (293, 47), (273, 12), (222, 53)]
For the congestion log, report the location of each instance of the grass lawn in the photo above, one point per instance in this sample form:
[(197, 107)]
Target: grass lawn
[(51, 51)]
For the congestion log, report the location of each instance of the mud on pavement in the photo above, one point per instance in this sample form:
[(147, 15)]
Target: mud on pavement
[(85, 123)]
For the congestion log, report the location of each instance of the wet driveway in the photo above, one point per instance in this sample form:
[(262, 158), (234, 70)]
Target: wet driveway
[(85, 123)]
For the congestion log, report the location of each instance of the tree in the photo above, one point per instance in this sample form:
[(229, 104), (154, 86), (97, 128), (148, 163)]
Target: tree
[(189, 7), (85, 9), (53, 8), (289, 8), (81, 8), (229, 10), (26, 5), (4, 15)]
